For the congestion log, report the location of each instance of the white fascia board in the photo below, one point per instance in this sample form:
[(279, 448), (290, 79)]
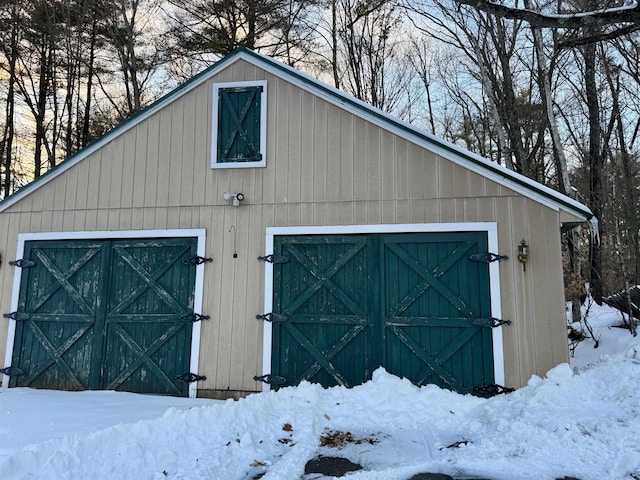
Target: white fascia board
[(384, 228)]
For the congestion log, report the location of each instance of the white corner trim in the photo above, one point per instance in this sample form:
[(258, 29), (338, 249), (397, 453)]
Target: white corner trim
[(494, 273), (11, 334), (496, 309), (200, 234), (268, 307)]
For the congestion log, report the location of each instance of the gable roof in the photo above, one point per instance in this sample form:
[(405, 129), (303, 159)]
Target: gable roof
[(452, 152)]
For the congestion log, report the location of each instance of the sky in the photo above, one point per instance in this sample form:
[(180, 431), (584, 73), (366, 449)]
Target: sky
[(581, 420)]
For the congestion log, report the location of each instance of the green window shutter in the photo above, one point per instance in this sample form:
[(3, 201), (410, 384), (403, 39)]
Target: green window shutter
[(239, 112)]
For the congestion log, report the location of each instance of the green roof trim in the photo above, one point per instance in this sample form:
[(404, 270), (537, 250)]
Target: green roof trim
[(341, 99)]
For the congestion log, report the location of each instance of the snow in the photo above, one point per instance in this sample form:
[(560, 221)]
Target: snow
[(579, 421)]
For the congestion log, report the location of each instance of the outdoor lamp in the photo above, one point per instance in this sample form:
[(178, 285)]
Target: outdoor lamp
[(523, 253), (235, 198)]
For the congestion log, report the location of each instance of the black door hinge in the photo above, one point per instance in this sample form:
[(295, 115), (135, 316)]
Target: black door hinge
[(12, 371), (189, 378), (197, 260), (23, 263), (492, 390), (18, 316), (273, 380), (193, 317), (274, 259), (273, 317), (489, 322), (487, 257)]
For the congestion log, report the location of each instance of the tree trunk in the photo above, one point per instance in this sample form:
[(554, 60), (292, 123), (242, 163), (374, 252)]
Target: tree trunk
[(6, 159), (596, 166), (544, 85), (251, 25), (493, 105), (90, 73), (334, 46)]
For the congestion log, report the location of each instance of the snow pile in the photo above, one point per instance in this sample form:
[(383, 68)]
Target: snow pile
[(583, 423)]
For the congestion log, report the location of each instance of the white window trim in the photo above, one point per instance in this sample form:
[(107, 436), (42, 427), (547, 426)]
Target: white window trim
[(263, 125), (200, 234), (494, 274)]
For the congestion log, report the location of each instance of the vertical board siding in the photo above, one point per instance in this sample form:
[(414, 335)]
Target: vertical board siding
[(325, 166), (152, 154), (293, 144)]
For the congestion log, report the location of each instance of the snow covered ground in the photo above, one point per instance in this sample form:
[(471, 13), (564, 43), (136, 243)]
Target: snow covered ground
[(581, 421)]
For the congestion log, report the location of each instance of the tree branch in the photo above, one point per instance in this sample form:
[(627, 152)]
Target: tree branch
[(578, 42), (607, 16)]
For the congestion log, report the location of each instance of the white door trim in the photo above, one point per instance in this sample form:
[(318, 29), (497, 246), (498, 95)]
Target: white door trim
[(200, 234), (494, 273)]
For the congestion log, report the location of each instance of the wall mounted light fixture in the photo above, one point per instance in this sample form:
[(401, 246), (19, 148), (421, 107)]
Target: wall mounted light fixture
[(233, 198), (523, 253)]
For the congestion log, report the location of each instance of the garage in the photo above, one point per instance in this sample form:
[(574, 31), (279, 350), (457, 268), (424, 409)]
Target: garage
[(378, 220), (111, 314), (417, 304)]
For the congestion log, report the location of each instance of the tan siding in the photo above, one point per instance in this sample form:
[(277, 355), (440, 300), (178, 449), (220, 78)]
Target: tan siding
[(293, 145), (373, 169), (567, 217), (401, 165), (332, 176), (470, 207), (176, 167), (188, 152), (324, 167), (307, 150), (387, 171), (320, 158), (201, 147), (128, 167), (556, 333), (430, 174), (281, 140), (491, 189), (163, 165), (71, 186), (345, 172), (320, 213), (415, 168), (476, 184), (521, 290), (461, 182), (36, 221), (151, 155), (445, 178), (360, 162)]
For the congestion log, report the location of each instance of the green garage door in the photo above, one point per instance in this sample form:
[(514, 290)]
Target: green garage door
[(347, 304), (105, 314)]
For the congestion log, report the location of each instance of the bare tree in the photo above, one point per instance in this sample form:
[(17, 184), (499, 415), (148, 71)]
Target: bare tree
[(10, 27), (129, 32)]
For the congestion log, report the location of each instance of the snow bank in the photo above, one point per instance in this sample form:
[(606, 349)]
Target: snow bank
[(582, 422)]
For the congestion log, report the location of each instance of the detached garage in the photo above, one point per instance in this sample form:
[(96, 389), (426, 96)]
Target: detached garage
[(256, 228)]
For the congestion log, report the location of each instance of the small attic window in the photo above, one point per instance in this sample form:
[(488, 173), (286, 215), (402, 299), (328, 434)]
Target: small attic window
[(239, 125)]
